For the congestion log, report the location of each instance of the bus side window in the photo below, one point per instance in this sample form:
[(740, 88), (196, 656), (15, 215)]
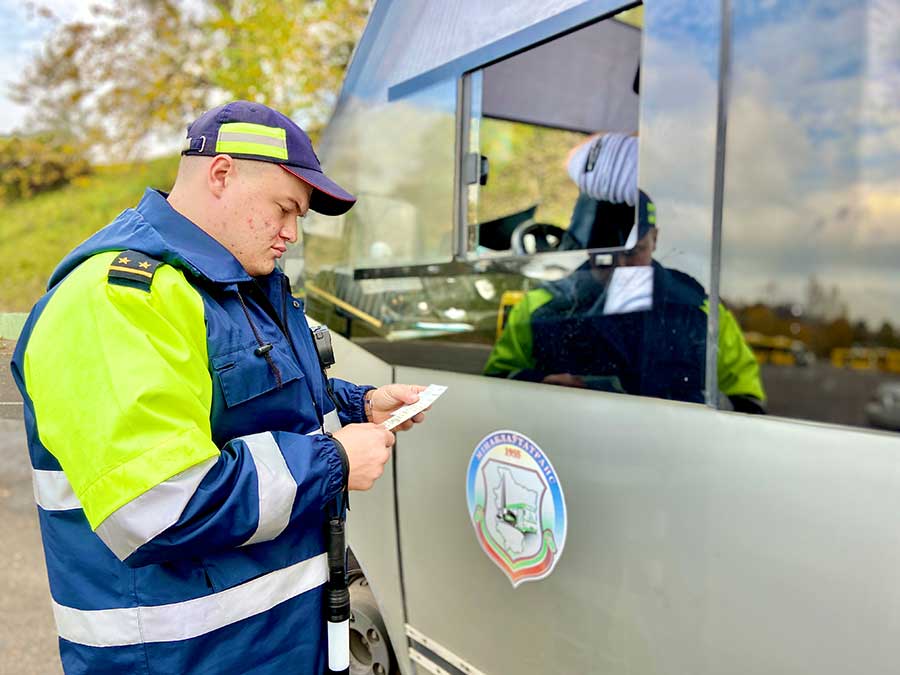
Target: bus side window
[(810, 236)]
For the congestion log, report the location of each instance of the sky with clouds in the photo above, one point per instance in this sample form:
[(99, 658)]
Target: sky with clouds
[(21, 35), (813, 153), (814, 157)]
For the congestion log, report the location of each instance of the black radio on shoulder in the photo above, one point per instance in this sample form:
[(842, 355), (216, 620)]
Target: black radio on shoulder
[(322, 340)]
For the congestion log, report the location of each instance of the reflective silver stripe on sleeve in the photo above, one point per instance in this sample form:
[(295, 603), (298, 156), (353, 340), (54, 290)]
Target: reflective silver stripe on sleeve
[(332, 422), (192, 618), (277, 487), (131, 526), (53, 492)]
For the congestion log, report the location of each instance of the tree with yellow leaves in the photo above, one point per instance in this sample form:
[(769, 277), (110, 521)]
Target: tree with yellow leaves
[(144, 67)]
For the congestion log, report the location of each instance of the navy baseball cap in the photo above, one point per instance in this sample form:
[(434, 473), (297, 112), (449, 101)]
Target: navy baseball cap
[(612, 226), (646, 214), (247, 130)]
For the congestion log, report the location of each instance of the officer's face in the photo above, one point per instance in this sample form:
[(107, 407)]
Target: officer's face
[(263, 203), (641, 254)]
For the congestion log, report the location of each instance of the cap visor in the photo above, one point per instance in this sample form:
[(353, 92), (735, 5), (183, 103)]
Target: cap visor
[(328, 197)]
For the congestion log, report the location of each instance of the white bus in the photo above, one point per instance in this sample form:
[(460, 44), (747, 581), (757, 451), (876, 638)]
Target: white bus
[(621, 524)]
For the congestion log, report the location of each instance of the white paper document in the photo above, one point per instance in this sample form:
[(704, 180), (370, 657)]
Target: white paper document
[(426, 398)]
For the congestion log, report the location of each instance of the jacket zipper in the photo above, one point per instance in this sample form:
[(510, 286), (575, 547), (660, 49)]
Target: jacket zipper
[(287, 333)]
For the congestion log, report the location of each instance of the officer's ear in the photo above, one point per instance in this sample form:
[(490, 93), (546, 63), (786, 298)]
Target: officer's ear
[(221, 172)]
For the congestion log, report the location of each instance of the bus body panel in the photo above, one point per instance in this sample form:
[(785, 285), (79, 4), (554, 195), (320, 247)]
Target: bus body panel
[(699, 542)]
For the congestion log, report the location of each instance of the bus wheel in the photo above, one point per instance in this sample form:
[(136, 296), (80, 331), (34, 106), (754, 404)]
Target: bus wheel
[(370, 647)]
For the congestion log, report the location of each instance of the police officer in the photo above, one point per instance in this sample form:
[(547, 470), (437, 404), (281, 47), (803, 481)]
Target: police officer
[(186, 444), (646, 334)]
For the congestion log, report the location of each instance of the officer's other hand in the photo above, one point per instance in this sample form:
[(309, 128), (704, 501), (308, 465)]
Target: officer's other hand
[(386, 399), (368, 448), (565, 380)]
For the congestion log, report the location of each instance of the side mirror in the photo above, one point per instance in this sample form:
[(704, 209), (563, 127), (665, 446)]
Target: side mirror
[(475, 169)]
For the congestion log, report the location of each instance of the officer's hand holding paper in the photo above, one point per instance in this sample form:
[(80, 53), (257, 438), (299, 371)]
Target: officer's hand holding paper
[(404, 417), (393, 407)]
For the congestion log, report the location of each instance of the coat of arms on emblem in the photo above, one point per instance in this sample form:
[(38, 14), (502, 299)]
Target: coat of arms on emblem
[(516, 505)]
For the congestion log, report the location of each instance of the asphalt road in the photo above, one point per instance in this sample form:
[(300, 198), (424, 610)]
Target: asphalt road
[(27, 634), (823, 393)]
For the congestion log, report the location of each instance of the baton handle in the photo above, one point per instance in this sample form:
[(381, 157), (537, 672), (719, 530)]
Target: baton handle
[(337, 600)]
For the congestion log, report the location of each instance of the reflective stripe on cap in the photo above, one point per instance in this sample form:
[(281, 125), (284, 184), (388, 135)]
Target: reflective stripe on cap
[(252, 139)]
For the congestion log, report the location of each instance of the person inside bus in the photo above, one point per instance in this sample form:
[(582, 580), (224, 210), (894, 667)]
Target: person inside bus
[(622, 321)]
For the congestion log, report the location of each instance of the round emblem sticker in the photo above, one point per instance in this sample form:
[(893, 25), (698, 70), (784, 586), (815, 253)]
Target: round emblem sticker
[(517, 506)]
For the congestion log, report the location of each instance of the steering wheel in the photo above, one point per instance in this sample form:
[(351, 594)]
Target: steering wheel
[(530, 238)]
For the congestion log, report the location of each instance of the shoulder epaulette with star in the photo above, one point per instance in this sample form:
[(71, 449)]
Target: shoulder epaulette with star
[(133, 268)]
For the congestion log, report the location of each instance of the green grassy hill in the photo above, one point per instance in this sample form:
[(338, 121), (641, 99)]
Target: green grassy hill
[(36, 233)]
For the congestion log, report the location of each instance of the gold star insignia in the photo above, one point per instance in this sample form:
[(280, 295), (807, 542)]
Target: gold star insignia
[(144, 264), (125, 260)]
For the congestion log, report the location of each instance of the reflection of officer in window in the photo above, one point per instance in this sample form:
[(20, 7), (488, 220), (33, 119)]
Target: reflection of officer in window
[(622, 322)]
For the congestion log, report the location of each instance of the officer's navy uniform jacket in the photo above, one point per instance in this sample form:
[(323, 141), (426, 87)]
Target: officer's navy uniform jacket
[(659, 352), (175, 411)]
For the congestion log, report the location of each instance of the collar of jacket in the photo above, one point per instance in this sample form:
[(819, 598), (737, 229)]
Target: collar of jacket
[(203, 254), (159, 231), (579, 292)]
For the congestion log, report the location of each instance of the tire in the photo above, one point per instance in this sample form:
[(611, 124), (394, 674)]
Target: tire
[(371, 652)]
